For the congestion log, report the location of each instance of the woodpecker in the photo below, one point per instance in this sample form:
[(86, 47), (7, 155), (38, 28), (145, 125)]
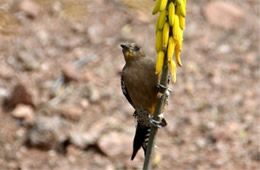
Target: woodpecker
[(139, 85)]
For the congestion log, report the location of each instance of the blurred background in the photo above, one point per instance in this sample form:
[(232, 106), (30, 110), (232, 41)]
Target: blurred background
[(61, 100)]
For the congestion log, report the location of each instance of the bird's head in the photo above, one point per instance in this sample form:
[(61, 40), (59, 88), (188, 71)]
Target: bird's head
[(132, 52)]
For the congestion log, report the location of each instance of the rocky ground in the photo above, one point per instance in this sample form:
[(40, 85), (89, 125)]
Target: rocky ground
[(61, 101)]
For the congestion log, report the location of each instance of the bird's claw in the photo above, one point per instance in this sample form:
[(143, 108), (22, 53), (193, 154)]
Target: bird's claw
[(135, 114)]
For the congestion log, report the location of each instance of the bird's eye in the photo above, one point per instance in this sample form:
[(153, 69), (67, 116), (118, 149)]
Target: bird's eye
[(136, 48)]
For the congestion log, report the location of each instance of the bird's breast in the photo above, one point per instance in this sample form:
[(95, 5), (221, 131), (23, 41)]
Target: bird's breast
[(141, 83)]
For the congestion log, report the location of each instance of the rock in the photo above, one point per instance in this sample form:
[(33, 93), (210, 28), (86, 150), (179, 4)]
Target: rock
[(71, 112), (189, 87), (25, 113), (70, 73), (223, 14), (92, 93), (95, 34), (201, 142), (83, 137), (6, 72), (110, 167), (44, 37), (79, 139), (27, 61), (251, 58), (216, 77), (30, 8), (116, 144), (48, 133), (84, 103), (192, 67), (224, 49), (19, 95), (234, 67), (3, 92)]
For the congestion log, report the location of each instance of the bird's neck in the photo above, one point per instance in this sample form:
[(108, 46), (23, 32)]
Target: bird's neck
[(135, 60)]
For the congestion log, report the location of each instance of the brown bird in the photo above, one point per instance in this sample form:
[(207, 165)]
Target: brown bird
[(140, 86)]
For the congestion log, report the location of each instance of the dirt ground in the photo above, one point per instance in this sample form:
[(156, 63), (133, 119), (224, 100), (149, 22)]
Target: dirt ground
[(61, 101)]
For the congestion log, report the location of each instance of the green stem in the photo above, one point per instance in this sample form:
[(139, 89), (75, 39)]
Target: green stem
[(159, 104)]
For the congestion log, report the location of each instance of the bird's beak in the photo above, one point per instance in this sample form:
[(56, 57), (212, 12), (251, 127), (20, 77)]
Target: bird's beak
[(124, 47)]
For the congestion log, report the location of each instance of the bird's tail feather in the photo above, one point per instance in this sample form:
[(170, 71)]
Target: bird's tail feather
[(141, 138)]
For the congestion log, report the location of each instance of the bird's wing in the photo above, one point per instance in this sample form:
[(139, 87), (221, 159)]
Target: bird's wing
[(125, 92)]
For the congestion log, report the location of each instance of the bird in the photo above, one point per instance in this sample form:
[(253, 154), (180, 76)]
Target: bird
[(139, 85)]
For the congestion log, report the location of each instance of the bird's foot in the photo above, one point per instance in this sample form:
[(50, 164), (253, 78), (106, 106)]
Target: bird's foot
[(164, 88), (161, 87), (167, 92), (158, 123)]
